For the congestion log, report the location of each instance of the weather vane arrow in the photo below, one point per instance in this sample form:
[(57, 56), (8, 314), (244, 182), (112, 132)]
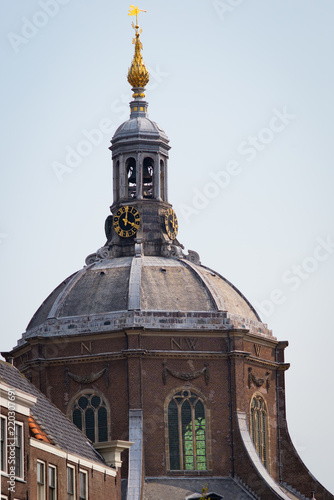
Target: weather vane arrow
[(134, 11), (138, 75)]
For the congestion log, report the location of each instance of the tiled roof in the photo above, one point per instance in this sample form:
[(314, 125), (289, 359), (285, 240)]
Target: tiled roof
[(36, 431), (58, 429)]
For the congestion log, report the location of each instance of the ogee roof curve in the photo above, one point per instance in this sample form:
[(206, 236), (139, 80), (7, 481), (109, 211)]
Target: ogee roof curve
[(139, 127)]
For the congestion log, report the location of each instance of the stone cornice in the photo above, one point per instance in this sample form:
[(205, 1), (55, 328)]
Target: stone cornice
[(147, 353), (252, 360), (267, 342), (146, 332)]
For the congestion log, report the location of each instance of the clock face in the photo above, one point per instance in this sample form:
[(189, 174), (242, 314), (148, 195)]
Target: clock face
[(171, 223), (108, 226), (126, 221)]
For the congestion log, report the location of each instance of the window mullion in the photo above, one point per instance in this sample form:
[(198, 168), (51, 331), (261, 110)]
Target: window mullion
[(194, 437), (258, 427), (261, 434), (96, 424), (179, 418), (83, 412)]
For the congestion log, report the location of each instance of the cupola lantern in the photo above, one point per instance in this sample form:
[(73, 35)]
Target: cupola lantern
[(140, 163)]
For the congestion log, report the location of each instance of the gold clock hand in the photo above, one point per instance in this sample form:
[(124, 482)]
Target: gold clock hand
[(126, 216)]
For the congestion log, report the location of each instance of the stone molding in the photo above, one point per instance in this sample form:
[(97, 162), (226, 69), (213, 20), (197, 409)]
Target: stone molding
[(258, 381), (185, 375)]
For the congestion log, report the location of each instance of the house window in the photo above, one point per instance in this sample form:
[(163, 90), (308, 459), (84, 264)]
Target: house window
[(90, 414), (41, 487), (52, 482), (83, 485), (3, 449), (18, 450), (187, 432), (259, 426), (70, 483)]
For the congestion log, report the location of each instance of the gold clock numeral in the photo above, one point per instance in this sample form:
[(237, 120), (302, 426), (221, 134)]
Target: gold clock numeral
[(126, 221), (171, 223)]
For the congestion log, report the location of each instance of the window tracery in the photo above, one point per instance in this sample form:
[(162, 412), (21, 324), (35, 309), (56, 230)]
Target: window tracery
[(90, 414), (259, 430), (187, 432)]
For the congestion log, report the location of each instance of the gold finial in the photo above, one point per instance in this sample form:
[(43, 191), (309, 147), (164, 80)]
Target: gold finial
[(138, 75)]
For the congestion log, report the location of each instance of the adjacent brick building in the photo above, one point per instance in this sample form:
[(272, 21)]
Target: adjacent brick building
[(145, 344), (43, 455)]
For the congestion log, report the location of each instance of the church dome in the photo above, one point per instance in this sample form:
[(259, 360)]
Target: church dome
[(141, 278), (143, 292), (139, 127)]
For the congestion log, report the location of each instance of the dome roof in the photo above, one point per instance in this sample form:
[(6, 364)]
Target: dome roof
[(137, 127), (143, 292)]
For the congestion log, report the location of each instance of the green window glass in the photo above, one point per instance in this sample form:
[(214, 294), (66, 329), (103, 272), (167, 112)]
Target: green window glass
[(187, 432)]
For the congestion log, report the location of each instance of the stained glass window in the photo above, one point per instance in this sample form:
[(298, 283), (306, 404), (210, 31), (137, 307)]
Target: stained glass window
[(90, 414), (258, 422), (103, 423), (187, 432)]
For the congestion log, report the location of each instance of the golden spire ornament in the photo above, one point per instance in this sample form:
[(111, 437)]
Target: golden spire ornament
[(138, 75)]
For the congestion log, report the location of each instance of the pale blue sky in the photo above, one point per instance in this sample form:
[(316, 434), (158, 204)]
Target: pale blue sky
[(219, 77)]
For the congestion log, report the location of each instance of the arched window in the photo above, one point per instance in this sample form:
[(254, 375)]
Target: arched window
[(162, 180), (148, 178), (259, 426), (90, 414), (131, 177), (116, 180), (187, 432)]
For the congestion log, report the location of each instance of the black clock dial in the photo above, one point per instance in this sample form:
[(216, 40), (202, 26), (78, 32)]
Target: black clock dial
[(126, 221), (171, 223)]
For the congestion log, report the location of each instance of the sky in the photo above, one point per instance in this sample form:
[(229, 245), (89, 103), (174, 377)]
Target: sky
[(244, 90)]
